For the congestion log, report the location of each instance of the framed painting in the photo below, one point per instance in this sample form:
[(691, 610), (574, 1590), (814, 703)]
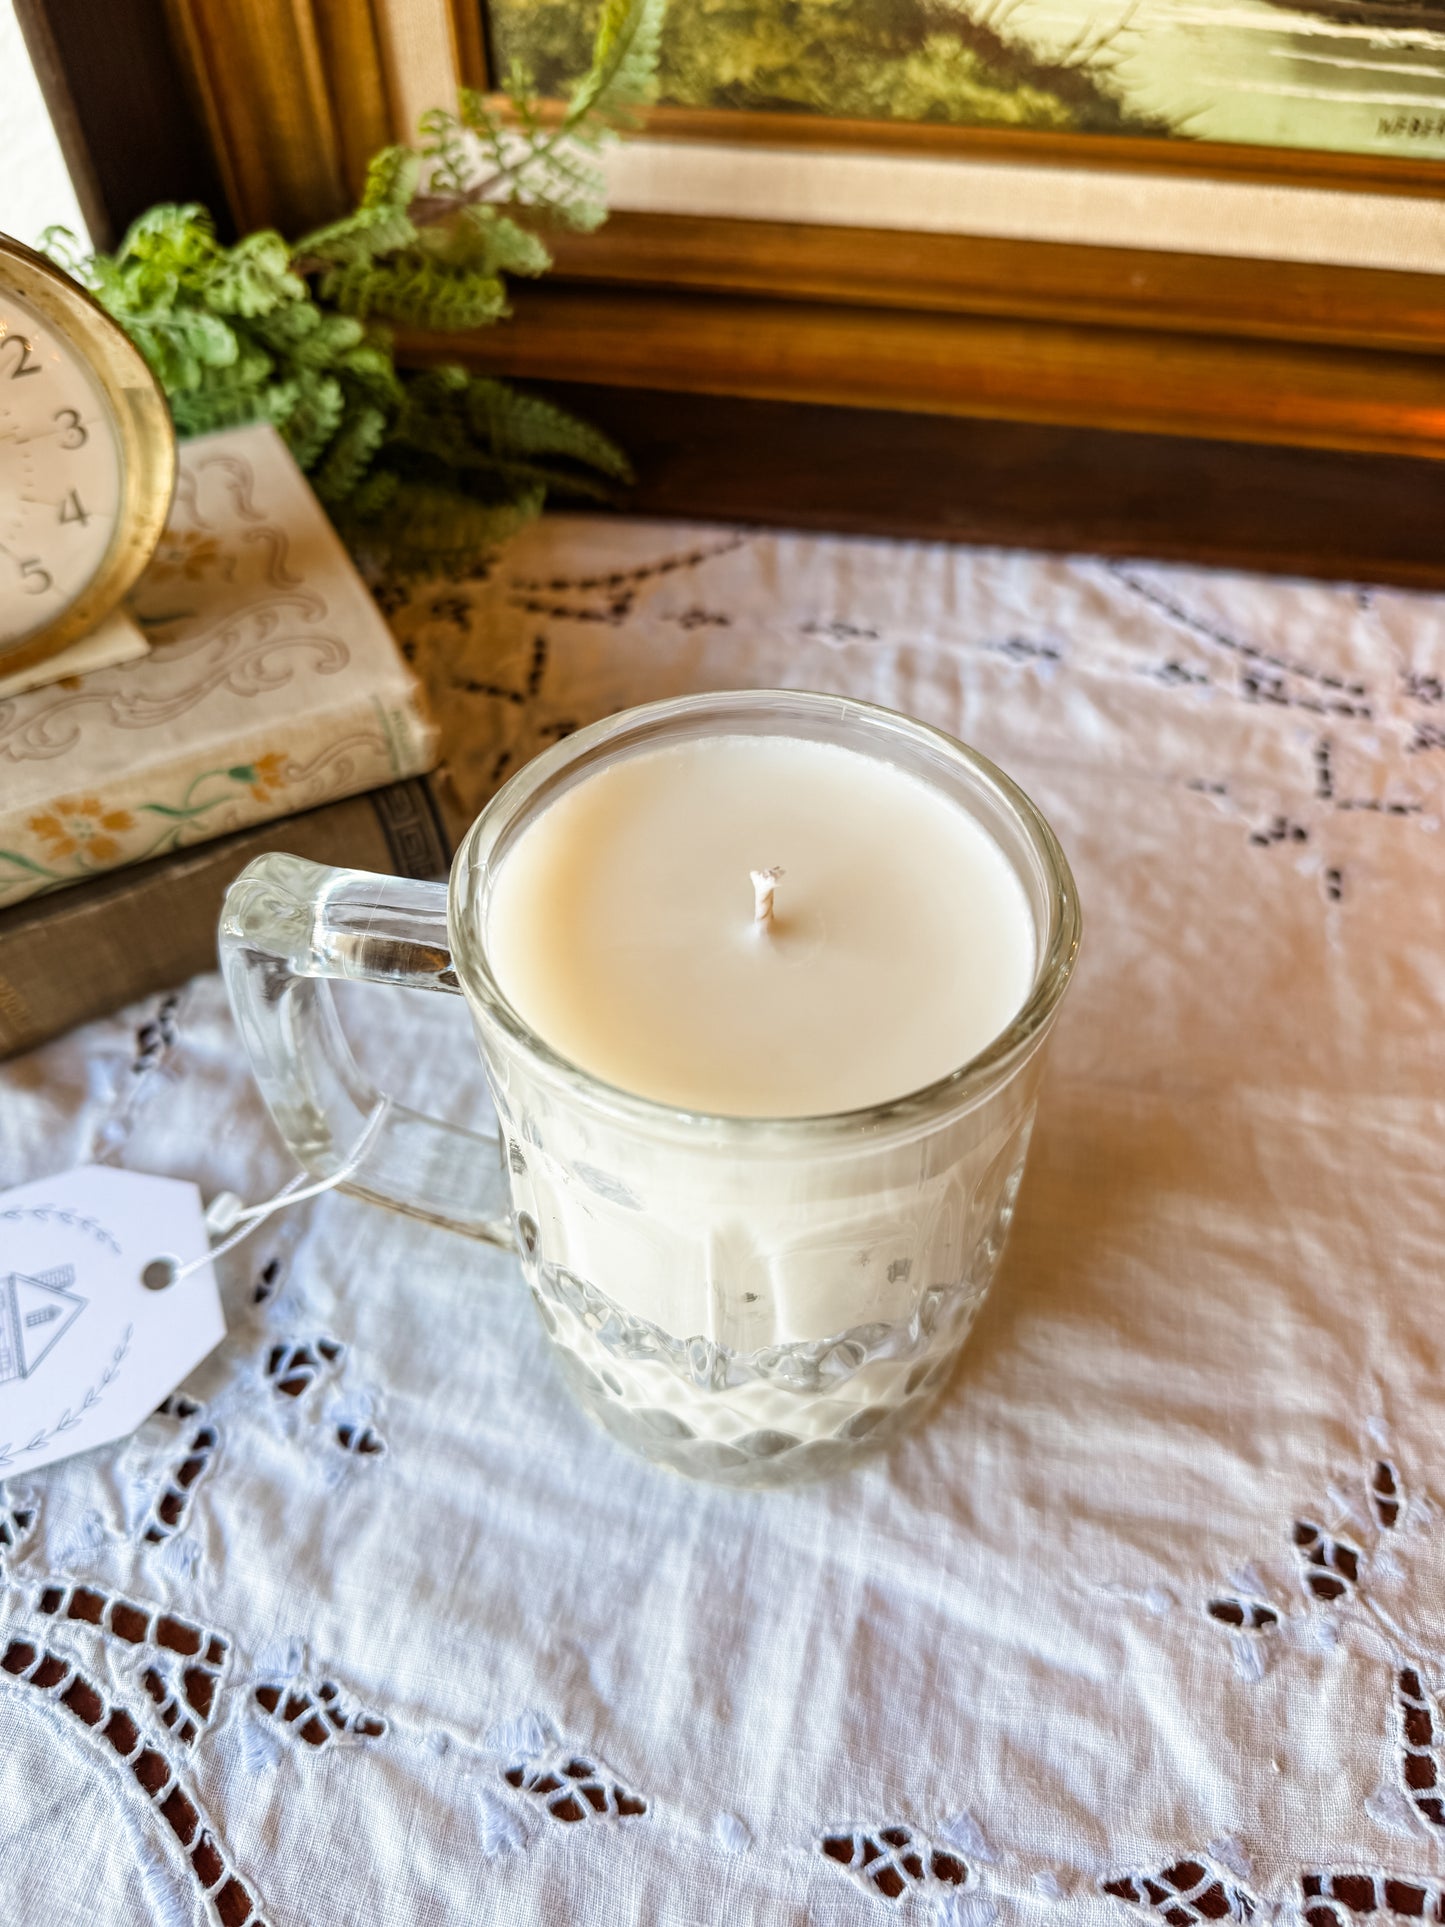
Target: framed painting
[(974, 233), (1328, 76), (1249, 128)]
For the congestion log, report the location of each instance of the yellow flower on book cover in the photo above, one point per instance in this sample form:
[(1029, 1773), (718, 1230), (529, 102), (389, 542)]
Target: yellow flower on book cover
[(265, 777), (81, 823), (79, 835)]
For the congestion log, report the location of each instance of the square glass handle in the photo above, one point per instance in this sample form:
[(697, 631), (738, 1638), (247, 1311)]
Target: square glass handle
[(288, 927)]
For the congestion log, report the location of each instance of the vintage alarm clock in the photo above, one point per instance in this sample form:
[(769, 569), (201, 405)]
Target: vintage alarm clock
[(87, 462)]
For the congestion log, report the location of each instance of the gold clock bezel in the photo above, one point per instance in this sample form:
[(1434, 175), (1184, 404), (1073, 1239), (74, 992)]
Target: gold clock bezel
[(147, 445)]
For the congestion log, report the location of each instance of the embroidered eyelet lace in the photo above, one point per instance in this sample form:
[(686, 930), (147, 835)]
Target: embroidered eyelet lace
[(368, 1623)]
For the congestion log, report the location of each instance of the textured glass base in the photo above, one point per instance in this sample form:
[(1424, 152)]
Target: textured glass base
[(770, 1418), (786, 1412)]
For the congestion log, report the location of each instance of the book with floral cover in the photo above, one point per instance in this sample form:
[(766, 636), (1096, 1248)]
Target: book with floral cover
[(80, 952), (272, 685)]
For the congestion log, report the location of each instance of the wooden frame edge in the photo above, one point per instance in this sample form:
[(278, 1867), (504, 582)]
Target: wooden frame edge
[(1088, 285), (1129, 153), (1232, 349), (297, 94), (260, 75), (1060, 373), (1349, 517), (1139, 153)]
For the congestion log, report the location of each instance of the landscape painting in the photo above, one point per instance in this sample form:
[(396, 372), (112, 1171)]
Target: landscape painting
[(1340, 76)]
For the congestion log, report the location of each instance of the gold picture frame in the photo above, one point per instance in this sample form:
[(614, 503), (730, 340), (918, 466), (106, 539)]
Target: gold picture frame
[(1339, 353)]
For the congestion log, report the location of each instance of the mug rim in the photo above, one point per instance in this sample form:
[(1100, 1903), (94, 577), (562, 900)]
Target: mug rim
[(955, 1090)]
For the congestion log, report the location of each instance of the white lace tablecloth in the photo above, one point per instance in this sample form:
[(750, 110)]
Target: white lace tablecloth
[(1148, 1624)]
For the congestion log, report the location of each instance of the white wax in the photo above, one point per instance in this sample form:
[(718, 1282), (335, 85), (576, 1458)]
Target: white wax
[(621, 928)]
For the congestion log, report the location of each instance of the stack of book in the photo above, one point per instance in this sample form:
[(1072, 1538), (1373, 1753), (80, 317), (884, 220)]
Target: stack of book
[(273, 712)]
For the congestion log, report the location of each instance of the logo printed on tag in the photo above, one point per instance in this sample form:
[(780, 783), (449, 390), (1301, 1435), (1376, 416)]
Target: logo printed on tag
[(34, 1314), (87, 1351)]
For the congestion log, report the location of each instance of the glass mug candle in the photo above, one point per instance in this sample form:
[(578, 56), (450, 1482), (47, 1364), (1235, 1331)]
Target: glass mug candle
[(762, 983)]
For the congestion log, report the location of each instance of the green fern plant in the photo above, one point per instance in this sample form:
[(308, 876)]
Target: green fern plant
[(418, 468)]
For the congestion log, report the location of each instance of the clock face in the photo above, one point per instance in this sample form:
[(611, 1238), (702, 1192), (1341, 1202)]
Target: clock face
[(61, 472)]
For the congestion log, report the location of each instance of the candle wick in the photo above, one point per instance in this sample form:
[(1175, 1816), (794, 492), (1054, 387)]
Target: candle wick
[(765, 882)]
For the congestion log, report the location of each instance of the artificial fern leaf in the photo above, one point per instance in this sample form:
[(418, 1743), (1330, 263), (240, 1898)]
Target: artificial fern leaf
[(369, 367), (391, 178), (381, 223), (182, 346), (229, 396), (372, 497), (333, 336), (432, 420), (359, 237), (253, 278), (623, 74), (181, 236), (65, 250), (285, 330), (417, 289), (505, 247), (211, 408), (278, 402), (443, 151), (350, 454), (210, 339), (519, 84), (315, 418), (436, 387), (251, 370), (517, 425), (561, 182), (429, 526)]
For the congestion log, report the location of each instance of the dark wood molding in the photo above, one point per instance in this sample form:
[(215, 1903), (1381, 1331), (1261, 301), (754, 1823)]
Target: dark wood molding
[(1346, 517), (1132, 380), (261, 71), (472, 33), (358, 95), (1154, 289)]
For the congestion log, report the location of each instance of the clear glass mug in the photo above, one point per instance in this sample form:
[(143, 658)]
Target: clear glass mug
[(748, 1300)]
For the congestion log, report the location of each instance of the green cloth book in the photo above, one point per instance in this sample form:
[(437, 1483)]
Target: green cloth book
[(79, 953)]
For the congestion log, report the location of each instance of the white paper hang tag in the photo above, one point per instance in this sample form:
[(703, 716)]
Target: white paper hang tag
[(88, 1348)]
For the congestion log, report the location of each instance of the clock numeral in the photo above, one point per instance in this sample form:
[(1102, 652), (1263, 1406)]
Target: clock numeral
[(76, 434), (25, 365), (72, 511), (37, 579)]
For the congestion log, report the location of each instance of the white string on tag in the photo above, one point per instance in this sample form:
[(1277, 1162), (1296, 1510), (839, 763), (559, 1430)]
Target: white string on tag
[(226, 1213)]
